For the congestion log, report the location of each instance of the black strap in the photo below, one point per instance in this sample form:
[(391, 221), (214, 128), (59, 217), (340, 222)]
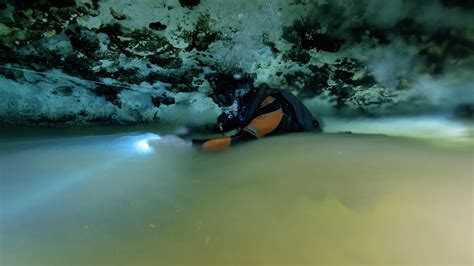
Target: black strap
[(271, 107), (241, 137)]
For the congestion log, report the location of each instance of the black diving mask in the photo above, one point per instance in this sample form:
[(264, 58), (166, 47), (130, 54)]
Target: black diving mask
[(223, 99)]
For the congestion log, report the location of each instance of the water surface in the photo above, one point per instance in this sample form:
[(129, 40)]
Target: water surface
[(300, 199)]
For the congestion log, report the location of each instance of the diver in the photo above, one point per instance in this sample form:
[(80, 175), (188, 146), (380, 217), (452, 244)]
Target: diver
[(253, 112)]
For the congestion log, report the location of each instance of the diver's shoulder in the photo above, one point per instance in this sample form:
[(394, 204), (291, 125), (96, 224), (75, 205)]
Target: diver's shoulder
[(264, 87)]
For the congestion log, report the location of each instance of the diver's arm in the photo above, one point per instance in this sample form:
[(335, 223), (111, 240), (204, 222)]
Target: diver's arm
[(223, 143), (265, 123), (257, 128)]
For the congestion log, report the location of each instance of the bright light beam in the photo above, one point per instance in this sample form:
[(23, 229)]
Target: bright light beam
[(33, 198), (143, 145)]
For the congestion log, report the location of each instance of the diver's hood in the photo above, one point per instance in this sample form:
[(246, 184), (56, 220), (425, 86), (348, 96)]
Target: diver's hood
[(227, 94), (230, 86)]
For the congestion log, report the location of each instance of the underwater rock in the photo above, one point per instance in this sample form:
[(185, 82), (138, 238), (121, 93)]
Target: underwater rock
[(464, 111), (179, 81), (143, 42), (298, 55), (166, 60), (113, 29), (320, 78), (157, 26), (309, 36), (310, 40), (445, 49), (117, 15), (109, 93), (342, 93), (202, 36), (93, 13), (5, 30), (83, 40), (266, 40), (189, 3), (372, 97), (339, 55), (95, 4), (162, 99), (43, 4), (62, 91), (458, 3), (11, 74), (61, 3), (75, 66)]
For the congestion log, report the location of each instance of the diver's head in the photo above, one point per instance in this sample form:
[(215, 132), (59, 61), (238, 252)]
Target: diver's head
[(231, 88)]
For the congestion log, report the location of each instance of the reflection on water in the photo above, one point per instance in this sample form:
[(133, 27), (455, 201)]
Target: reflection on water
[(300, 199)]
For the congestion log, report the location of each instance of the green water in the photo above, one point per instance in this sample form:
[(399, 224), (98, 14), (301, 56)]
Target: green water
[(331, 199)]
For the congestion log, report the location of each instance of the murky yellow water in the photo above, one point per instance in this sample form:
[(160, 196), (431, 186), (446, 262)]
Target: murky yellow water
[(293, 200)]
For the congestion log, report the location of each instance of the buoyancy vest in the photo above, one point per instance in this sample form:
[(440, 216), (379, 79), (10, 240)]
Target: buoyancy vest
[(300, 112)]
